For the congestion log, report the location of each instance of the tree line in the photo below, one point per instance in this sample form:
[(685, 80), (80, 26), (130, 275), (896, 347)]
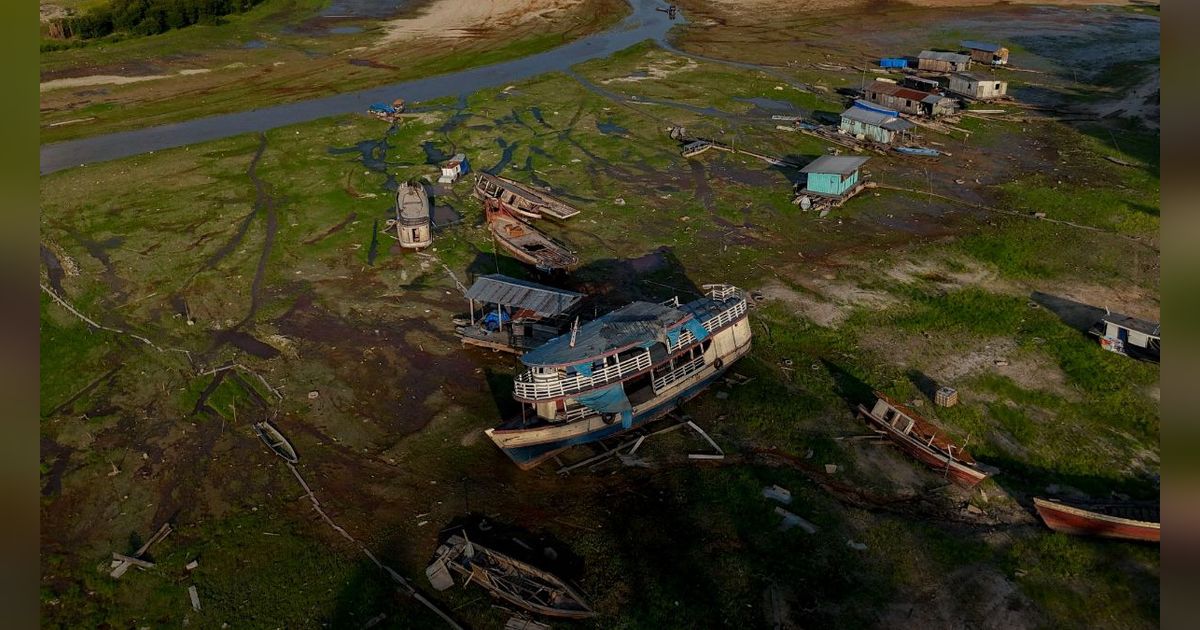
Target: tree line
[(146, 17)]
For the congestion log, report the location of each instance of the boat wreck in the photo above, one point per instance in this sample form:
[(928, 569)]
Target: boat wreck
[(507, 578), (413, 216), (622, 370), (521, 199), (511, 315), (526, 243), (922, 439), (1130, 336), (275, 441), (1128, 521)]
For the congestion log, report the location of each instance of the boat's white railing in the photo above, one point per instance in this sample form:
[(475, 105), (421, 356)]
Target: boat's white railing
[(722, 291), (683, 371), (574, 414), (726, 316), (534, 386)]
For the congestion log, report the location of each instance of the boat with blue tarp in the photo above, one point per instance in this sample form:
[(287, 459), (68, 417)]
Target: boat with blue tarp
[(622, 370)]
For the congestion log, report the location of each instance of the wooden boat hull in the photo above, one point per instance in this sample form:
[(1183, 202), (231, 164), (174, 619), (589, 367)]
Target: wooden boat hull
[(275, 441), (522, 199), (526, 243), (490, 569), (955, 470), (1075, 520), (528, 448)]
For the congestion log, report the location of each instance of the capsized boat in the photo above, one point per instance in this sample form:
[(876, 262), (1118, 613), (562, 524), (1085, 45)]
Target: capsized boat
[(1129, 521), (275, 441), (507, 578), (522, 199), (525, 242), (922, 439), (620, 371)]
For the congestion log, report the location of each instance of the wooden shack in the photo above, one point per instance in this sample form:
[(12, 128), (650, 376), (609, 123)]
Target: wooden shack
[(512, 315), (977, 86), (452, 170), (939, 61), (832, 176), (870, 122), (896, 97), (986, 52)]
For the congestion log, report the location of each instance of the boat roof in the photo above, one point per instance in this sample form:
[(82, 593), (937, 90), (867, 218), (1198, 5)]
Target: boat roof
[(501, 289), (412, 201), (1133, 323), (835, 164), (877, 118), (612, 332), (984, 46)]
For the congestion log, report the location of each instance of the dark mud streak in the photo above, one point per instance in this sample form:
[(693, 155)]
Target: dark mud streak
[(373, 250), (322, 236), (99, 251), (62, 459), (231, 244), (202, 403), (505, 157), (262, 201), (107, 377), (54, 269), (704, 192)]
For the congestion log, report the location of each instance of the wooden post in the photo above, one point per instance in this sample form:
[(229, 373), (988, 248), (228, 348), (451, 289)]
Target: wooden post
[(471, 305)]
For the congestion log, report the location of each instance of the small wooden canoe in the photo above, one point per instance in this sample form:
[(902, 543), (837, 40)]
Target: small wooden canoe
[(526, 243), (275, 441), (521, 199), (922, 439), (507, 578), (1128, 521)]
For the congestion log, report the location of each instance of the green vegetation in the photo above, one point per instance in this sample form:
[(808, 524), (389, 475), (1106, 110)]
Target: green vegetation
[(148, 17)]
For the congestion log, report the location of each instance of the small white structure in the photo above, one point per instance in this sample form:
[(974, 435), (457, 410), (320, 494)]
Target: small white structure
[(977, 86), (413, 216), (455, 168)]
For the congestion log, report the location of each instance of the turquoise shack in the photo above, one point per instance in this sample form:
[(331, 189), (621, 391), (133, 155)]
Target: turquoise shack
[(832, 176)]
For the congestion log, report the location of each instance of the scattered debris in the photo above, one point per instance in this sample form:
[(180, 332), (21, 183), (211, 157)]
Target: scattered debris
[(124, 562), (856, 545), (313, 395), (791, 520), (778, 493), (195, 597), (946, 397), (524, 623), (720, 454), (831, 468), (191, 566)]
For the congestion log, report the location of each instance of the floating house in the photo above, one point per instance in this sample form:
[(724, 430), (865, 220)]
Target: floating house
[(925, 84), (896, 97), (870, 122), (1129, 336), (413, 216), (511, 315), (832, 176), (977, 86), (455, 168), (985, 52), (938, 61), (622, 370)]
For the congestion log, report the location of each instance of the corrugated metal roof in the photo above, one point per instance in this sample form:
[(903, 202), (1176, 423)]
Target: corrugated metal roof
[(836, 164), (943, 56), (624, 327), (500, 289), (973, 77), (870, 116), (984, 46)]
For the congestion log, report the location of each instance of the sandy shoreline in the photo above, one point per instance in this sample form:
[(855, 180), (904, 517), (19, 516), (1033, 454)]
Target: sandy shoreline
[(456, 19)]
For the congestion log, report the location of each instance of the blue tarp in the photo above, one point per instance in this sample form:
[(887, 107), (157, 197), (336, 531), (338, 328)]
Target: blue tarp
[(698, 329), (493, 320), (893, 62), (673, 336), (609, 400), (584, 368)]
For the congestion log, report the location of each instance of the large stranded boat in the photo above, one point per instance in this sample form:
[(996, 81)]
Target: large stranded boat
[(627, 368)]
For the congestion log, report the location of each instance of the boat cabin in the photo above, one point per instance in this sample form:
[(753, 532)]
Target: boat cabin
[(452, 170), (413, 216), (511, 315), (1130, 336)]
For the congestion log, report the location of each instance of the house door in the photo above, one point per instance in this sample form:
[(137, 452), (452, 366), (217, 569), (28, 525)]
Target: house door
[(416, 234), (1123, 335)]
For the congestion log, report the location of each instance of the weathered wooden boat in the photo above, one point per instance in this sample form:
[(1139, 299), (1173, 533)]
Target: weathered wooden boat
[(922, 439), (1128, 521), (413, 216), (1130, 336), (275, 440), (918, 151), (620, 371), (507, 578), (522, 199), (526, 243)]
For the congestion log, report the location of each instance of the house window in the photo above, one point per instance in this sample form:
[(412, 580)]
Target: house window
[(997, 86)]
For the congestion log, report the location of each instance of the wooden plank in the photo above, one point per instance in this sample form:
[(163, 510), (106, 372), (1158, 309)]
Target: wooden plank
[(195, 597), (134, 561)]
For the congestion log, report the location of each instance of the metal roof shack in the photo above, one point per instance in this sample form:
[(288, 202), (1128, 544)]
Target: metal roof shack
[(864, 113), (834, 165), (986, 52), (938, 55), (630, 325), (939, 61), (542, 300)]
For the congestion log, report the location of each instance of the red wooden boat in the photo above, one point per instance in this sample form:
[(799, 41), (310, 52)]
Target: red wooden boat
[(1129, 521), (922, 439)]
